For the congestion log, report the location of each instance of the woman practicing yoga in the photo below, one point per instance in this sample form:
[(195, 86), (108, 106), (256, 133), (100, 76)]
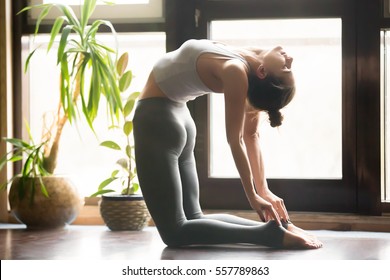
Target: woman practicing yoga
[(252, 80)]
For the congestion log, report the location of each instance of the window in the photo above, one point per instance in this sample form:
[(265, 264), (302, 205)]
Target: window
[(309, 143), (311, 161), (124, 11), (80, 154), (352, 185), (117, 2), (140, 29)]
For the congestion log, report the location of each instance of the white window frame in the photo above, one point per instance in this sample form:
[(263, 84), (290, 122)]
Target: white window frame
[(385, 134)]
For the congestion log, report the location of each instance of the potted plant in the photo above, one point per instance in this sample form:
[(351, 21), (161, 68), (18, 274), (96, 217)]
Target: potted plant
[(123, 207), (87, 73)]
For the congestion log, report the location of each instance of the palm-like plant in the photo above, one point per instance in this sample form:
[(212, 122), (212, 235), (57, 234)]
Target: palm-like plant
[(87, 72)]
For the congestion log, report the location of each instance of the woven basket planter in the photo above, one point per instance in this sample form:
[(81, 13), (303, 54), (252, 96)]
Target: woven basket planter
[(124, 212)]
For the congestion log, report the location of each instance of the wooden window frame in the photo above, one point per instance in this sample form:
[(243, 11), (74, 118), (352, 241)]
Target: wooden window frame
[(180, 26), (361, 102)]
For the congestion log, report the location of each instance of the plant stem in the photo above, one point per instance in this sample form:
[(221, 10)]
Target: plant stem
[(50, 159), (130, 167)]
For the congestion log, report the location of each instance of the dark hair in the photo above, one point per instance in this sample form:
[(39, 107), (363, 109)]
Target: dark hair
[(270, 95)]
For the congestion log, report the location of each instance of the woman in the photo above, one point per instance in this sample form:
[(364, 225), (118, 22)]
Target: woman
[(252, 80)]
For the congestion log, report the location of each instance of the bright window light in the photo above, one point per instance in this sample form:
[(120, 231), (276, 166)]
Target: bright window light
[(309, 143), (123, 11), (77, 2), (80, 156)]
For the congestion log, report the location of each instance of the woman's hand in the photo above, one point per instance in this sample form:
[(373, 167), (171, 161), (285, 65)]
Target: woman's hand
[(264, 209), (278, 205)]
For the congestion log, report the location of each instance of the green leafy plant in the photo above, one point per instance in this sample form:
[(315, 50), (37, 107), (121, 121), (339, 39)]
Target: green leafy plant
[(87, 73), (33, 166), (126, 171)]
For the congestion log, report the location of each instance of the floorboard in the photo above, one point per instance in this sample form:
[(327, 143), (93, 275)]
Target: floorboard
[(99, 243)]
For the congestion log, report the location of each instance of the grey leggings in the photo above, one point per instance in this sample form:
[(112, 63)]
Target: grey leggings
[(164, 133)]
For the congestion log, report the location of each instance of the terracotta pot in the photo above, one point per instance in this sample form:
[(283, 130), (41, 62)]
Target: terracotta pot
[(124, 212), (38, 211)]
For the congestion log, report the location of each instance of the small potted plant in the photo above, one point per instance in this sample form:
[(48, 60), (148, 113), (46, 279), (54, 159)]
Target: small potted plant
[(87, 73), (123, 207)]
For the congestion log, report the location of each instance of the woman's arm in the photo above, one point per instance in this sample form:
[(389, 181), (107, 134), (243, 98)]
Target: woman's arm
[(235, 83), (252, 144)]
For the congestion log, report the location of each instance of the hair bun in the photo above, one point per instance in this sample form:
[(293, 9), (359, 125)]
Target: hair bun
[(275, 118)]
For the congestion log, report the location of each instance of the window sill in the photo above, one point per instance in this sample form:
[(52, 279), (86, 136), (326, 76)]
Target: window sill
[(329, 221), (90, 215)]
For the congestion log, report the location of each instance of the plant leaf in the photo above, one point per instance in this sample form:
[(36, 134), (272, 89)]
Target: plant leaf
[(42, 15), (108, 86), (123, 163), (125, 81), (54, 31), (97, 81), (4, 159), (25, 9), (128, 151), (134, 96), (122, 64), (111, 145), (63, 42), (101, 192), (94, 94), (135, 187), (18, 143), (114, 173), (14, 159), (28, 60), (66, 97), (128, 127), (104, 47), (132, 190), (106, 182), (87, 9), (109, 83), (113, 31), (109, 2), (128, 107), (69, 14), (43, 188), (82, 69)]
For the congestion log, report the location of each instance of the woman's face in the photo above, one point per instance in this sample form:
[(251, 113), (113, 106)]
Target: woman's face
[(278, 63)]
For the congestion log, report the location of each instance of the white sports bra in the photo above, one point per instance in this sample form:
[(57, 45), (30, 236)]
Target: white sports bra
[(176, 75)]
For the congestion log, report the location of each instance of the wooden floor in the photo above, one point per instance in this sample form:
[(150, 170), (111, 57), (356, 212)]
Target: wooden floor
[(98, 243)]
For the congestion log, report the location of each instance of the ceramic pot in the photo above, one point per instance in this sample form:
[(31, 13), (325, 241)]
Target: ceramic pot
[(38, 211), (124, 212)]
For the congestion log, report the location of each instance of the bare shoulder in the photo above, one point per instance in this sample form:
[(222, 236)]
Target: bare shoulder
[(235, 66), (235, 77)]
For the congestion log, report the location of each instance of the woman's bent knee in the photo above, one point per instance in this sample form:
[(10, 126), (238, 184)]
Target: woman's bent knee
[(172, 239), (172, 235)]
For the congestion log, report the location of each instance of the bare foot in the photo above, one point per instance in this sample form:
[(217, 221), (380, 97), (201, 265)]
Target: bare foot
[(294, 229), (294, 240)]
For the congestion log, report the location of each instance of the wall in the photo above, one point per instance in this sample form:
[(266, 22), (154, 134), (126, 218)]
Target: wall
[(5, 91)]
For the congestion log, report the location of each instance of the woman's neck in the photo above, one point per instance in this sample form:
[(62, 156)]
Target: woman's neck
[(253, 56)]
